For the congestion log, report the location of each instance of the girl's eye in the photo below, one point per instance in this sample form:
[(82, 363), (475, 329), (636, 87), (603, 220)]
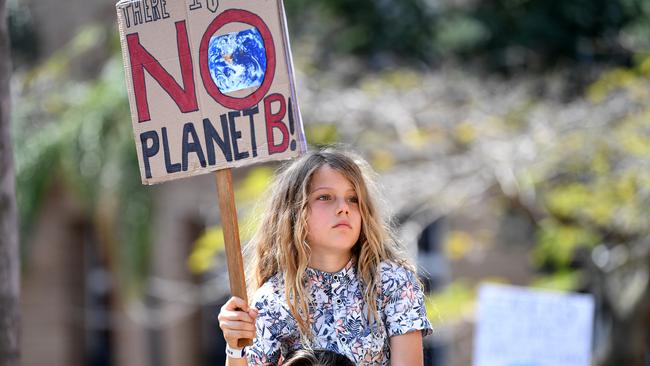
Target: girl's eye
[(353, 199), (323, 197)]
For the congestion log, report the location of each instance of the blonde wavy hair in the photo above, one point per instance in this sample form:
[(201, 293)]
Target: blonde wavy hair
[(280, 244)]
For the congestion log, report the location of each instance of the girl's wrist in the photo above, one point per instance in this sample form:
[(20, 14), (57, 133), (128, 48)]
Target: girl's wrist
[(234, 352)]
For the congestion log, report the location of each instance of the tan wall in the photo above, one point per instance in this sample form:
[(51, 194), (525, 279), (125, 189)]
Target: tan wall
[(52, 289)]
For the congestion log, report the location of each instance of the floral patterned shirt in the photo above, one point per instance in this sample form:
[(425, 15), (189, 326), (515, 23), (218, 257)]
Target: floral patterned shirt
[(338, 315)]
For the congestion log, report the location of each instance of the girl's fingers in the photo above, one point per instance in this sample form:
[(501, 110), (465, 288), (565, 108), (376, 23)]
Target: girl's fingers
[(235, 303), (237, 320), (236, 315), (235, 325)]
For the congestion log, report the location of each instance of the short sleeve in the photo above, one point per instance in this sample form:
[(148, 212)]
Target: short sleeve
[(403, 301), (272, 325)]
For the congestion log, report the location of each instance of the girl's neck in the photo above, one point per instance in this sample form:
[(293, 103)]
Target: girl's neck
[(329, 262)]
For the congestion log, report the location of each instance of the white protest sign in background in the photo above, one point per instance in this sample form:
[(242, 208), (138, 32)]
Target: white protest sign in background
[(524, 327)]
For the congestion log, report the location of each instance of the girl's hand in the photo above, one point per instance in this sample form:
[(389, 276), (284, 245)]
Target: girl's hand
[(237, 320)]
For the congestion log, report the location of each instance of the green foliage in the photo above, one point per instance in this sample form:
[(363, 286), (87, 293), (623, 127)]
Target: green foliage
[(572, 29), (453, 303), (459, 33), (502, 34), (598, 188), (206, 247), (79, 133), (256, 182), (366, 27), (559, 281), (557, 242), (321, 134)]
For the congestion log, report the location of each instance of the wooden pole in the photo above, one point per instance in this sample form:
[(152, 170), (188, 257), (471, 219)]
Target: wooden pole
[(231, 236)]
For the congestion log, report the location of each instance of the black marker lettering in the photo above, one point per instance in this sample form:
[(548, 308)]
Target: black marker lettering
[(250, 112), (235, 135), (212, 136)]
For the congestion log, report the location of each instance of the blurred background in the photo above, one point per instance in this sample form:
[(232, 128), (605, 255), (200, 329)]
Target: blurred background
[(512, 139)]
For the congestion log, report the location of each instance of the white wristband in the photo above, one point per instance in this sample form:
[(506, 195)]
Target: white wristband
[(235, 352)]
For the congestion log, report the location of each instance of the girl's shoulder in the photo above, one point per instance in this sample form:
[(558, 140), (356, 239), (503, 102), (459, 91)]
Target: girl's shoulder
[(269, 299), (395, 276), (401, 300), (271, 291), (391, 269)]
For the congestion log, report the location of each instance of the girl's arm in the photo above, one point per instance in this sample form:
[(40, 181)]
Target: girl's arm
[(237, 320), (236, 361), (406, 349), (405, 312)]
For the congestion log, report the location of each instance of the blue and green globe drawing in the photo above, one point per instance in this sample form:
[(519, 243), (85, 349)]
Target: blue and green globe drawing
[(237, 60)]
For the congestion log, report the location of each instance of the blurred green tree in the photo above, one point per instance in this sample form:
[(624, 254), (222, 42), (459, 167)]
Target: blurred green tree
[(369, 29), (501, 34), (537, 32), (595, 189), (77, 132)]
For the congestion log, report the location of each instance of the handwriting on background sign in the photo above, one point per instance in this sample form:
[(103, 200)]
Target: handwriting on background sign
[(144, 11), (212, 5), (518, 326)]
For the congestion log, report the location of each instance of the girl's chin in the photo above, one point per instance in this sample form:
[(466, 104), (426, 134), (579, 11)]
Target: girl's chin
[(343, 249)]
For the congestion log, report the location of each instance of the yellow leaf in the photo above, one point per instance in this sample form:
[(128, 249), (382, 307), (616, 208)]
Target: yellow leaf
[(451, 304), (458, 244), (415, 138), (382, 160), (465, 133), (254, 184), (205, 249)]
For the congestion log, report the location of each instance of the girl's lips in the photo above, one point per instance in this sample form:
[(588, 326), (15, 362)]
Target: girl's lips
[(342, 225)]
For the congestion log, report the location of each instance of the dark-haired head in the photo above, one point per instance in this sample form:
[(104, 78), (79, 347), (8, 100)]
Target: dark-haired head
[(319, 357)]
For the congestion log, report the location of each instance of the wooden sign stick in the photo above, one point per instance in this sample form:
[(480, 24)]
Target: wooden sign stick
[(228, 214)]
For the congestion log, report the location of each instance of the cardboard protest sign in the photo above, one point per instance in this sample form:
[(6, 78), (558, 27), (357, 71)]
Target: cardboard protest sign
[(210, 85), (522, 326)]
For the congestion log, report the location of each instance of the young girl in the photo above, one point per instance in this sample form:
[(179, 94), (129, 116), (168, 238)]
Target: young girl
[(327, 273)]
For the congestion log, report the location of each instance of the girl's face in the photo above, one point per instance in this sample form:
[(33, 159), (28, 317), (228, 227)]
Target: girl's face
[(334, 221)]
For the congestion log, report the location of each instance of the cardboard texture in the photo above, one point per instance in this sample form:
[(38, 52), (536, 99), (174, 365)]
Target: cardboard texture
[(210, 85)]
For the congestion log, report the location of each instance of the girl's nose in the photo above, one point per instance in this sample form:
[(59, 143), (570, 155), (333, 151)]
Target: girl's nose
[(343, 207)]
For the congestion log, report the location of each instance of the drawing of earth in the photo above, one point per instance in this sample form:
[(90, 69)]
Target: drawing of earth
[(237, 60)]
